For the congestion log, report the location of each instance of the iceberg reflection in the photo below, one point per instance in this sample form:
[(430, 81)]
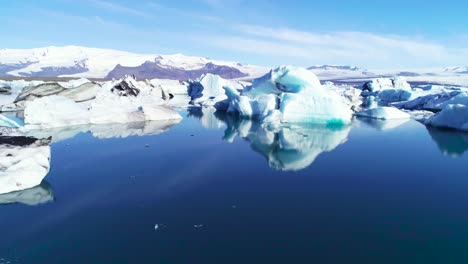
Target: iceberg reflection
[(382, 125), (290, 147), (33, 196), (451, 143), (206, 115), (105, 131)]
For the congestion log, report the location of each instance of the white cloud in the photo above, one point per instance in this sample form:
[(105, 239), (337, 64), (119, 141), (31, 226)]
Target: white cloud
[(119, 8), (357, 48)]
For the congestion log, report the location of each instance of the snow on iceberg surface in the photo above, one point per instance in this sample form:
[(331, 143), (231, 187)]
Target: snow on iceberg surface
[(290, 94), (454, 116), (383, 112), (24, 164), (55, 111)]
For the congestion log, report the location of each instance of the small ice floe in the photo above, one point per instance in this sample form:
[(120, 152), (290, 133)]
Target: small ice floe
[(156, 227), (198, 226)]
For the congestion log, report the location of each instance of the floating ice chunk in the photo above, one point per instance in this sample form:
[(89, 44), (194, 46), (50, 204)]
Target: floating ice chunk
[(11, 90), (122, 102), (209, 89), (428, 102), (351, 95), (24, 163), (452, 116), (10, 121), (460, 99), (381, 84), (395, 95), (295, 93), (383, 112), (173, 87)]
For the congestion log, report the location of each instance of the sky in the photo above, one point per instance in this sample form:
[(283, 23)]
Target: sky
[(369, 34)]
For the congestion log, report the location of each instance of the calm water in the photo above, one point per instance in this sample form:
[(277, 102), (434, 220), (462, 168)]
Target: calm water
[(220, 190)]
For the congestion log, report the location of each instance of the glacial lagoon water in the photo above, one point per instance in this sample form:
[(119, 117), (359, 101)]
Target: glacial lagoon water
[(215, 189)]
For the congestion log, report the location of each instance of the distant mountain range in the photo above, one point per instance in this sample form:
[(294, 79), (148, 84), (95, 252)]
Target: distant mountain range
[(76, 61)]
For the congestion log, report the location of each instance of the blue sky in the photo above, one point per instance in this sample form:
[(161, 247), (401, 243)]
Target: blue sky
[(387, 34)]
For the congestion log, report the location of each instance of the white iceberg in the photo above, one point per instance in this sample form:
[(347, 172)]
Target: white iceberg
[(209, 89), (171, 87), (289, 94), (11, 90), (395, 95), (454, 116), (122, 102), (24, 164), (84, 92), (384, 113), (381, 84)]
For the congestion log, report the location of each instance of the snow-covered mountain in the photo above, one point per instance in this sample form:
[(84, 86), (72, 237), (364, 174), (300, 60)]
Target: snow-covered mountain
[(76, 61)]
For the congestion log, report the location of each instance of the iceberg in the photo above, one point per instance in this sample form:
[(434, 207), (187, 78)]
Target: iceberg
[(381, 84), (116, 102), (9, 90), (24, 164), (10, 121), (384, 113), (453, 116), (290, 95), (209, 89), (171, 87), (84, 92), (395, 95)]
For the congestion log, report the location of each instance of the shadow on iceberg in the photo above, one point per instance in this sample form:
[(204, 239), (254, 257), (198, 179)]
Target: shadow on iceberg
[(291, 147), (120, 130), (450, 142), (24, 162), (40, 194)]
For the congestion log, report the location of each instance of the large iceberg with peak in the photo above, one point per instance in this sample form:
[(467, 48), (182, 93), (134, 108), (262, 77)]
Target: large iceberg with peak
[(288, 94)]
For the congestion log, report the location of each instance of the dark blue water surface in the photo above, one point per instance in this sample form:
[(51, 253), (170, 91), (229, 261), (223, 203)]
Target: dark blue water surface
[(221, 190)]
